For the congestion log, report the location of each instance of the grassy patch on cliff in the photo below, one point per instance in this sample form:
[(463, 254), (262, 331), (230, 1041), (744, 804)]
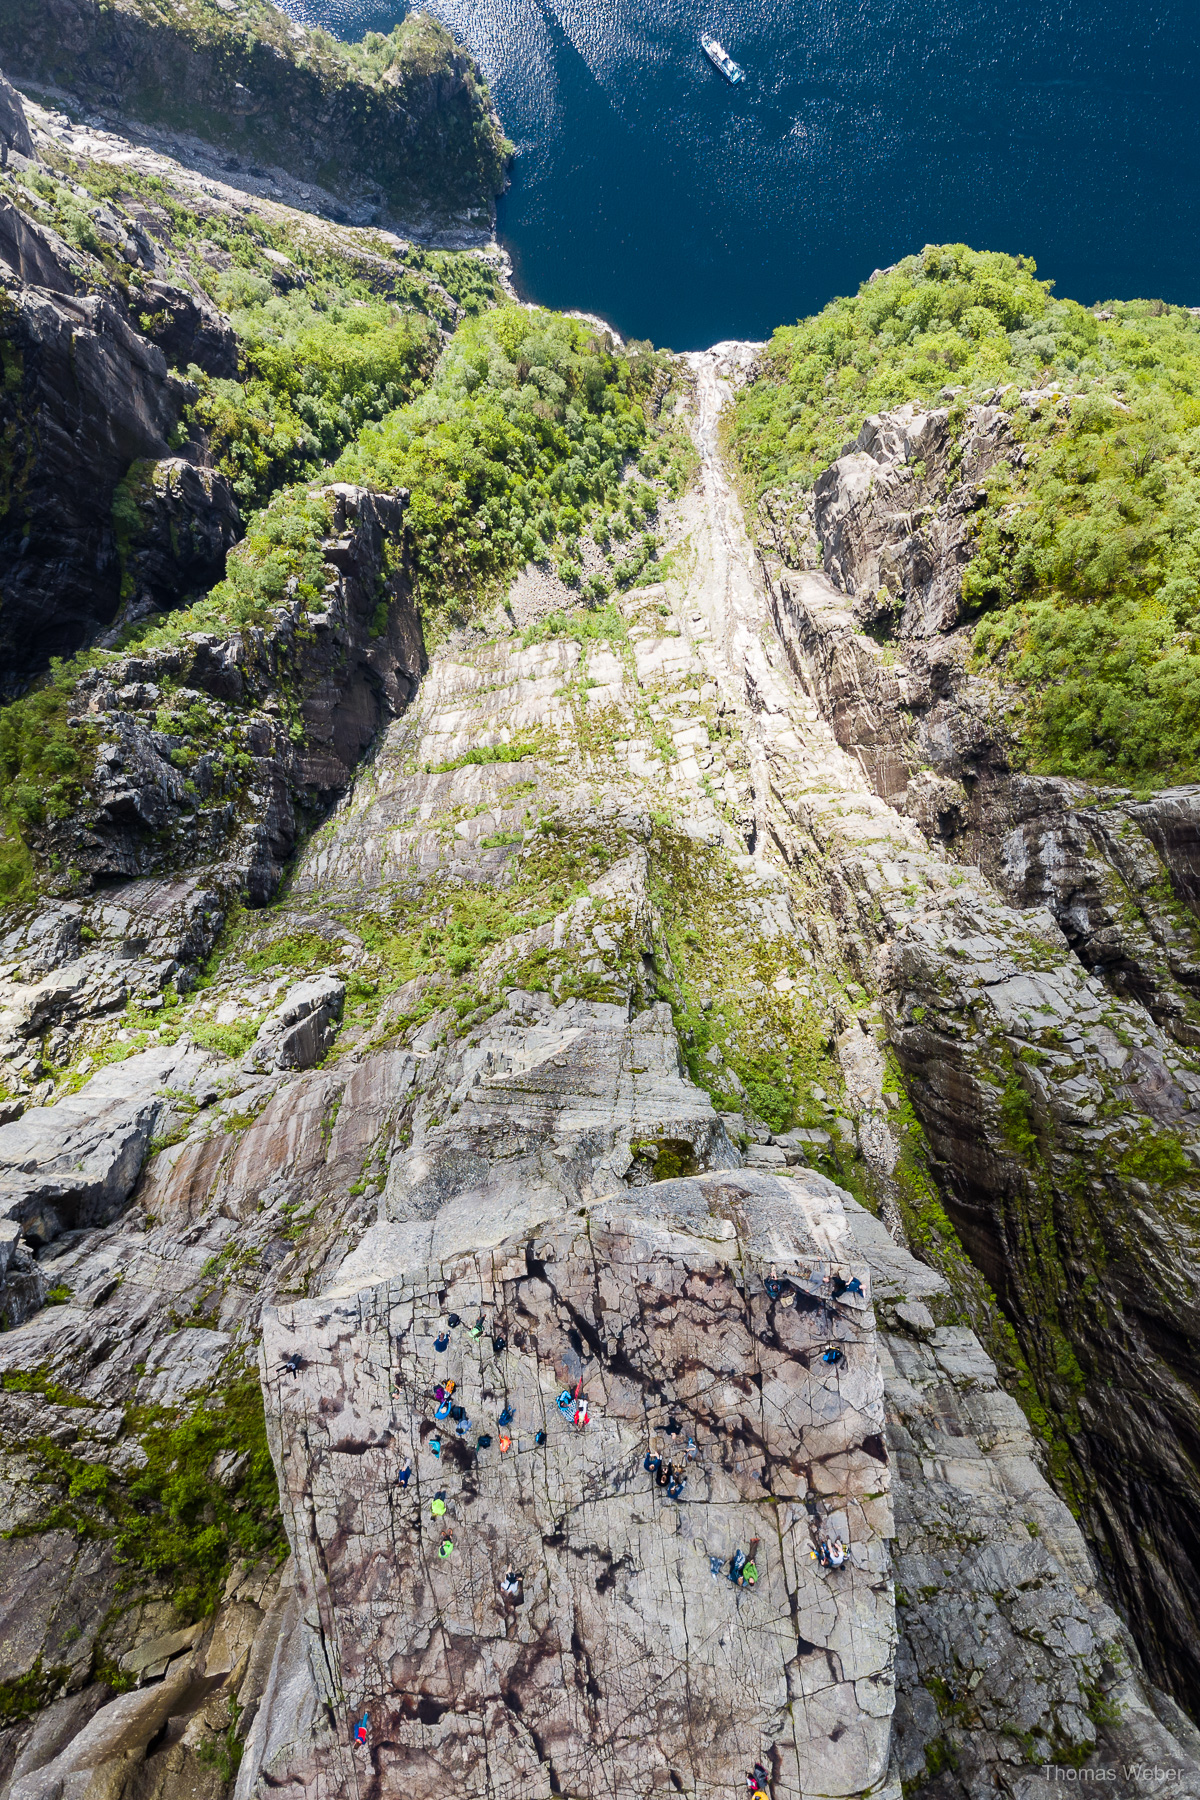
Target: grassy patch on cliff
[(1086, 575), (204, 1494), (739, 991), (44, 760)]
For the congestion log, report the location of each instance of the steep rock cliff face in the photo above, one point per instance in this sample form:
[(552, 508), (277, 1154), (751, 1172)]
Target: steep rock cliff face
[(422, 143), (602, 919), (1017, 1108), (866, 579), (85, 395), (298, 699)]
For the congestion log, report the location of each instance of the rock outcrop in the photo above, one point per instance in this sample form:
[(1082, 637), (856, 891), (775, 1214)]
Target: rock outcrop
[(285, 710), (604, 981), (624, 1651), (88, 396), (422, 143)]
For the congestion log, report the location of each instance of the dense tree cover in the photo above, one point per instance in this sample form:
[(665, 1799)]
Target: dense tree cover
[(334, 328), (1086, 578), (317, 364), (519, 443)]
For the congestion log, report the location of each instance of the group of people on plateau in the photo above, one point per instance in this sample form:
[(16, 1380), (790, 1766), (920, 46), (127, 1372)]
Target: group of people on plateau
[(665, 1475)]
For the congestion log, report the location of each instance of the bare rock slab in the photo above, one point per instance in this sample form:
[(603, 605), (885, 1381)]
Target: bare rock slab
[(627, 1657)]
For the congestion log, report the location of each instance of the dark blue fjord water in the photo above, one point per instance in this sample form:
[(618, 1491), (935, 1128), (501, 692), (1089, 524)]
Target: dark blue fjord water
[(647, 190)]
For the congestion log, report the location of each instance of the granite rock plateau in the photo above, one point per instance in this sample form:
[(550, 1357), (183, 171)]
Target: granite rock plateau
[(588, 1229)]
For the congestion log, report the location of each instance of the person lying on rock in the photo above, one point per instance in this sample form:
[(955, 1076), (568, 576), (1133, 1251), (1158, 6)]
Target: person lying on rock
[(511, 1585), (737, 1564), (463, 1427), (664, 1473), (675, 1487), (773, 1285), (293, 1363), (830, 1553), (435, 1446), (446, 1548), (651, 1463), (361, 1729), (437, 1505), (404, 1476), (748, 1575), (581, 1415), (443, 1342), (443, 1411)]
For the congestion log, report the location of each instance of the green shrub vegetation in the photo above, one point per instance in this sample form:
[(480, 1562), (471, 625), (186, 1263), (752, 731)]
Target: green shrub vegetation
[(1086, 575), (316, 368), (206, 1493), (26, 1694), (43, 761), (520, 441)]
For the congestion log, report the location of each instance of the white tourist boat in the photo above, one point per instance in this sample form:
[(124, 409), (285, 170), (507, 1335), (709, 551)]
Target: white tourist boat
[(720, 59)]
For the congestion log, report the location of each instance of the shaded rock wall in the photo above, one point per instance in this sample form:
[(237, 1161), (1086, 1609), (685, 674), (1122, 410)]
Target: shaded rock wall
[(299, 700), (86, 395), (1066, 1147)]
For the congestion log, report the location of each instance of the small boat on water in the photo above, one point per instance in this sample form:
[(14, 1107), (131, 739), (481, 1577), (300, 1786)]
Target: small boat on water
[(720, 59)]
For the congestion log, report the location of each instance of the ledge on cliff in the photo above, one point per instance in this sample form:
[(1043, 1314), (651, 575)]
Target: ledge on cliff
[(409, 130)]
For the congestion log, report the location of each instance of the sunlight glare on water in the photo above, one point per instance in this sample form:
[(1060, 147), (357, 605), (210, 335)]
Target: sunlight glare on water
[(650, 191)]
